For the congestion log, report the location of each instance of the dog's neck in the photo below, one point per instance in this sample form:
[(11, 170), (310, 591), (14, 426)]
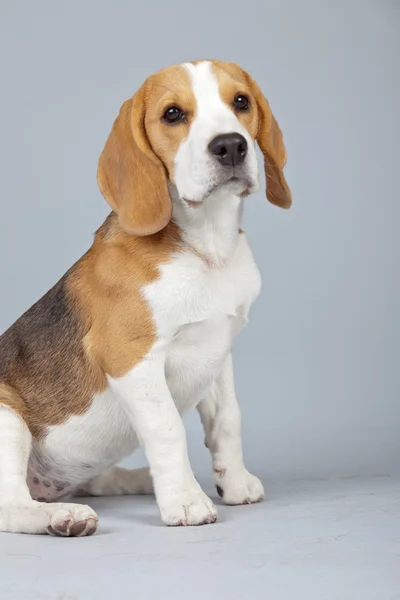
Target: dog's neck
[(210, 228)]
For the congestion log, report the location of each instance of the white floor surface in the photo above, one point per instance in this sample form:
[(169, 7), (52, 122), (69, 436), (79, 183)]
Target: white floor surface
[(317, 540)]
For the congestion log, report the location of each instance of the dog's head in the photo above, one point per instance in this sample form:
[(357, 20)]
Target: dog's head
[(193, 125)]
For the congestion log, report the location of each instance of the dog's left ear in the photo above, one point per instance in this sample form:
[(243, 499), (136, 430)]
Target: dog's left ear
[(270, 140), (130, 176)]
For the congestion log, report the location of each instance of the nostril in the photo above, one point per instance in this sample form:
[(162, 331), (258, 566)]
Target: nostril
[(242, 149), (222, 152)]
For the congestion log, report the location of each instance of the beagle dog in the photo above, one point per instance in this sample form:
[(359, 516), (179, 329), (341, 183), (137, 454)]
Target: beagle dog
[(140, 329)]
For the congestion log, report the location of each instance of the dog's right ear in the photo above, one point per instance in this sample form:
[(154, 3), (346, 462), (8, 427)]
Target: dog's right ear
[(130, 176), (270, 141)]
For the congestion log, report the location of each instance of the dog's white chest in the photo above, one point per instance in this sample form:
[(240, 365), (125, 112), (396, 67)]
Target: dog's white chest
[(190, 291), (198, 309), (194, 359)]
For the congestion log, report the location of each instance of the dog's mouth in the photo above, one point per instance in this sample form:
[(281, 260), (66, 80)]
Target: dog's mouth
[(238, 186)]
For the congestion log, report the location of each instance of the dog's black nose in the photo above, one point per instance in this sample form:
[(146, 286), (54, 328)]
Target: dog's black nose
[(229, 148)]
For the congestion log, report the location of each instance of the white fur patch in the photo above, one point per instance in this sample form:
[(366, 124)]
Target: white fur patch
[(196, 171)]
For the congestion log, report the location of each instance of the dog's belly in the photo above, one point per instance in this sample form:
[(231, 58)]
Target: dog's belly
[(80, 449), (86, 445)]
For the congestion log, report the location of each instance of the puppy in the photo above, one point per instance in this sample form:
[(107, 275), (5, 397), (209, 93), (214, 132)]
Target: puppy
[(141, 328)]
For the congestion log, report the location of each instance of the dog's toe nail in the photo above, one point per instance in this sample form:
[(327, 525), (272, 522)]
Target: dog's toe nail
[(78, 528), (62, 526), (91, 526)]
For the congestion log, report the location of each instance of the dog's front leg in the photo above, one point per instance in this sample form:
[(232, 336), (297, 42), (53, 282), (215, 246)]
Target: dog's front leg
[(147, 400), (220, 415)]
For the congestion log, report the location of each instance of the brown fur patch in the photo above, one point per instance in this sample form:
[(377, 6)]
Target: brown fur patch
[(169, 87), (130, 176), (93, 322), (138, 157), (108, 288)]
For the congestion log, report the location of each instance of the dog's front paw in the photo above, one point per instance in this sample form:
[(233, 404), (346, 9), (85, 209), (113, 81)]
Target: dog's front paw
[(72, 520), (239, 488), (190, 507)]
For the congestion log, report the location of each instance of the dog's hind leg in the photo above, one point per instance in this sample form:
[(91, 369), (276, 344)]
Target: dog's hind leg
[(118, 481), (18, 511)]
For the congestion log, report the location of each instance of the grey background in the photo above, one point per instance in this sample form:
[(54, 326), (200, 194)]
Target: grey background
[(317, 368)]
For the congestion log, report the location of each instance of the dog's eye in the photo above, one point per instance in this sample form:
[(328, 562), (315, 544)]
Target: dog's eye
[(241, 103), (173, 115)]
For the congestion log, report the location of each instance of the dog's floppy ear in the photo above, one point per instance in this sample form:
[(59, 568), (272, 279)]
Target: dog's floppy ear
[(130, 176), (270, 140)]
